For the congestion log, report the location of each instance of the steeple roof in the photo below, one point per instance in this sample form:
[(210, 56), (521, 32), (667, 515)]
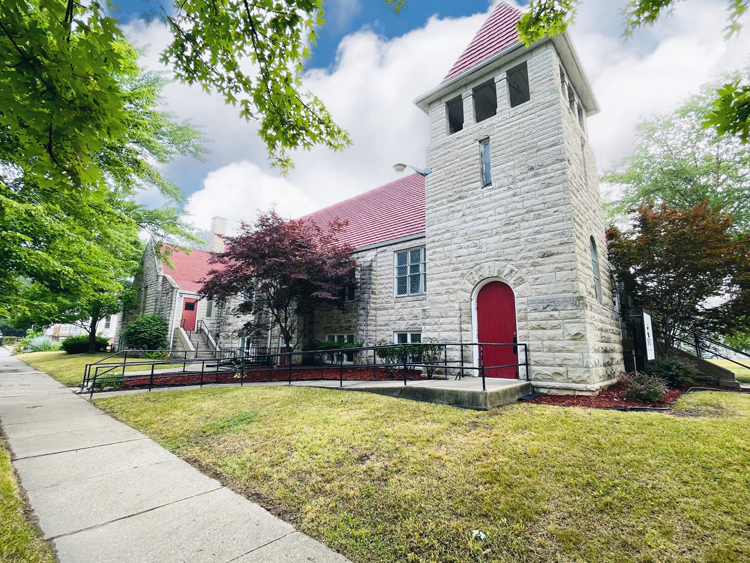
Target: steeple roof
[(497, 33)]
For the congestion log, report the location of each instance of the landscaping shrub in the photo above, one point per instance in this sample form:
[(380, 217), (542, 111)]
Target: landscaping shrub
[(42, 344), (429, 354), (23, 344), (644, 387), (147, 332), (393, 357), (80, 344), (672, 370)]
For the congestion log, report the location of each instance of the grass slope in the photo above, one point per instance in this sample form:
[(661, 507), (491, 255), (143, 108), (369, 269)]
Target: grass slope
[(740, 373), (19, 541), (382, 479), (68, 368), (65, 368)]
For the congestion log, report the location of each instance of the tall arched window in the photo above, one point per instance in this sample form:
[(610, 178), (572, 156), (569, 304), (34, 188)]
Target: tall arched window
[(595, 268)]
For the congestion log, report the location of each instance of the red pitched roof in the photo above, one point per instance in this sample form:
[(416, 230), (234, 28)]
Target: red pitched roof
[(497, 33), (392, 211), (189, 268)]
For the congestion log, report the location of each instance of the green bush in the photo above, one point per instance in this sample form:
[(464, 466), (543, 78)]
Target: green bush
[(80, 344), (23, 344), (429, 354), (644, 387), (672, 370), (147, 332), (42, 344)]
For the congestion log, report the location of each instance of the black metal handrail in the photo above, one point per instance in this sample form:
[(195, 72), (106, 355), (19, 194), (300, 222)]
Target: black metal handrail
[(243, 362)]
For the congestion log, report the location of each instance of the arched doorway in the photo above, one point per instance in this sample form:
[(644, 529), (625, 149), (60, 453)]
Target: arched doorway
[(496, 323)]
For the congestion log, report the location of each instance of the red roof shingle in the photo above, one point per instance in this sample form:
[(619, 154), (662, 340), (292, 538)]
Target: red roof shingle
[(389, 212), (189, 268), (497, 33)]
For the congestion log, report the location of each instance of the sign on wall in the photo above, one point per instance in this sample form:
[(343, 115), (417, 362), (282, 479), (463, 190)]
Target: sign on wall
[(649, 334)]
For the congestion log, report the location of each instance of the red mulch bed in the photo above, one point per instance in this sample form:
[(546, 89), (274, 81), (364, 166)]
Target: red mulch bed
[(280, 374), (612, 397)]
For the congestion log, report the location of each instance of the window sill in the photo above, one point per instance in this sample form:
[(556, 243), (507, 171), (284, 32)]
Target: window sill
[(411, 295)]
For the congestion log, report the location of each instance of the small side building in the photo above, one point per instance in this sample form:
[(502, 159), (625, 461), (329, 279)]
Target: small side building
[(171, 291)]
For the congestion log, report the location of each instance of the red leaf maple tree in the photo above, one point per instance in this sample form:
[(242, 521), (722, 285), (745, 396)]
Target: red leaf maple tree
[(690, 267), (280, 271)]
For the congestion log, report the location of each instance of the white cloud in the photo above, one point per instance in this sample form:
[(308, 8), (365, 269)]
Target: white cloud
[(371, 88), (238, 191)]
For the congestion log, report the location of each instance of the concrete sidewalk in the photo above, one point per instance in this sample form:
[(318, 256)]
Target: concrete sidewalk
[(106, 493)]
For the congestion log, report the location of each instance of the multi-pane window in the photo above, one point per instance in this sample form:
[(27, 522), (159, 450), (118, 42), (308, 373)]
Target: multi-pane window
[(595, 268), (349, 292), (484, 155), (407, 337), (455, 110), (411, 271), (518, 85), (108, 322), (340, 339)]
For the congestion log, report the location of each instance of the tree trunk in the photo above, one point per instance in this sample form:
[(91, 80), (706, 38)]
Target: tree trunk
[(92, 334)]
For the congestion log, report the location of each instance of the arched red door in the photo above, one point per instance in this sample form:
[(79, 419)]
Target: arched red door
[(496, 323)]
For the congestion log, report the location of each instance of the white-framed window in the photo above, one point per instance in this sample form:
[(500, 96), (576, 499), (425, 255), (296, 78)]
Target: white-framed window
[(595, 269), (209, 309), (340, 339), (407, 337), (108, 322), (484, 157), (410, 274)]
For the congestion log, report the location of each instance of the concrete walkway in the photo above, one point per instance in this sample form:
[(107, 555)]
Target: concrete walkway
[(105, 493)]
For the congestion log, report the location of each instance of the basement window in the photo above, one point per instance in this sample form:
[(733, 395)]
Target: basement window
[(407, 337), (455, 110), (485, 101), (518, 85)]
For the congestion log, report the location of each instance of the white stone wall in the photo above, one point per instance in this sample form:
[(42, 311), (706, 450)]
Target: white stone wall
[(530, 228), (376, 312)]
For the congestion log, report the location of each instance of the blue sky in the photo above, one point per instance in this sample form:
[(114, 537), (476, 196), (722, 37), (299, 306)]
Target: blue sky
[(371, 64)]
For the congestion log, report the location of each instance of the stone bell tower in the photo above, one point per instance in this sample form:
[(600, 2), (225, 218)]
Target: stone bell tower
[(514, 225)]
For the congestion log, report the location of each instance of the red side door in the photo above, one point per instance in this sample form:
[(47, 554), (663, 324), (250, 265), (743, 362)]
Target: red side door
[(189, 311), (496, 323)]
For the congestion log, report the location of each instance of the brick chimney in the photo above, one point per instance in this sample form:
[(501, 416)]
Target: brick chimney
[(218, 229)]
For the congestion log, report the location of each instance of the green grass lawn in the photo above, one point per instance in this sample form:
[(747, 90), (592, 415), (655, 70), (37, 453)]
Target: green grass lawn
[(388, 480), (19, 540), (740, 373), (68, 368)]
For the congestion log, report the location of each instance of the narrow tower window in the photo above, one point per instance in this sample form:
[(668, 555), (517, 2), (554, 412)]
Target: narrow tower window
[(455, 110), (485, 101), (595, 268), (518, 85), (484, 155)]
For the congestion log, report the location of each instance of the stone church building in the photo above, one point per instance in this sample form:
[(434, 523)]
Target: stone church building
[(501, 238)]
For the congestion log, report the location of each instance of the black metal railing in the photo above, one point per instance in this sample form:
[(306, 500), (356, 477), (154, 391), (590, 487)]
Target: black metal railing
[(702, 345), (394, 361)]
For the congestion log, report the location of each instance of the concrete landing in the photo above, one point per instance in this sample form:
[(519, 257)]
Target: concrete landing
[(105, 493), (464, 393)]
